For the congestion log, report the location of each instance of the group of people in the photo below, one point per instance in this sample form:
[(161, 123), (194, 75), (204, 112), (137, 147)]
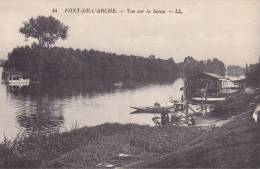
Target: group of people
[(165, 119)]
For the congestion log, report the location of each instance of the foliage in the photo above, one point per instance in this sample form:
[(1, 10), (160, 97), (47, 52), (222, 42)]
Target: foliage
[(40, 63), (234, 70), (252, 74), (236, 103), (2, 61), (191, 66), (32, 151), (88, 146), (47, 30)]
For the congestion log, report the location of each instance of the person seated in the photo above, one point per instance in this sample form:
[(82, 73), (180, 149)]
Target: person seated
[(193, 122), (156, 121), (164, 118)]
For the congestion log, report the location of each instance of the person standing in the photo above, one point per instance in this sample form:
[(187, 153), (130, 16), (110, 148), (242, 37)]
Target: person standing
[(256, 114), (164, 118)]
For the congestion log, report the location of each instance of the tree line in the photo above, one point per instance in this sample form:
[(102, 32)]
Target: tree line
[(191, 66), (41, 63), (235, 70), (252, 74)]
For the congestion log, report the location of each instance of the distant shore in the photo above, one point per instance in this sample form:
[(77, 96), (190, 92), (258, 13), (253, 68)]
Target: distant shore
[(131, 145)]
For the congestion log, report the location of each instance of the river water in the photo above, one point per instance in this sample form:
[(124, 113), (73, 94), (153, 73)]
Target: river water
[(60, 106)]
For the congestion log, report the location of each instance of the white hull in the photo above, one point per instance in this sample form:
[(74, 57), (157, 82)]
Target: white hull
[(19, 81), (209, 99)]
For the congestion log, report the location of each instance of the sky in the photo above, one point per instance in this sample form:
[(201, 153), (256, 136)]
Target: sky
[(226, 29)]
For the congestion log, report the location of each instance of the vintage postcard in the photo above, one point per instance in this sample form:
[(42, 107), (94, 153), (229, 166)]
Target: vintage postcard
[(130, 84)]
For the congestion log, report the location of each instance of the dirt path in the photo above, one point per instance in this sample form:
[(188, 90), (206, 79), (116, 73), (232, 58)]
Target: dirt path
[(206, 121)]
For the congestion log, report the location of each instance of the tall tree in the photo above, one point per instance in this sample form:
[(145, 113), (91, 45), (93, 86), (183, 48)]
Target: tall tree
[(47, 30)]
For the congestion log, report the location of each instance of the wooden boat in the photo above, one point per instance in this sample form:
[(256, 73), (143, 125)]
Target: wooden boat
[(158, 109), (179, 113), (153, 109), (193, 109)]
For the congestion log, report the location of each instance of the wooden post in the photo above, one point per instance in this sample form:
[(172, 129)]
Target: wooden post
[(187, 95)]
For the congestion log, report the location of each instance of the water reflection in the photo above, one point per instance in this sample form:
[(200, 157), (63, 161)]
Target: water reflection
[(38, 115), (48, 107)]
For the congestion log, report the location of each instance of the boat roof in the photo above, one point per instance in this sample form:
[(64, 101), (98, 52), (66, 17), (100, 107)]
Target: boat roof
[(214, 75), (239, 80), (210, 75)]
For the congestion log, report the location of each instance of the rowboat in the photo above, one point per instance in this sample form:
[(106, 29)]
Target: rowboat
[(193, 109), (153, 109)]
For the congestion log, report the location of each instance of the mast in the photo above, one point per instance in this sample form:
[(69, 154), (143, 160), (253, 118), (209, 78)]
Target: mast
[(186, 95)]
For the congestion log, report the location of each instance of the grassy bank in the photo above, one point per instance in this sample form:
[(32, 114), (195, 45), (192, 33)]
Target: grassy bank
[(86, 147), (236, 144), (236, 104)]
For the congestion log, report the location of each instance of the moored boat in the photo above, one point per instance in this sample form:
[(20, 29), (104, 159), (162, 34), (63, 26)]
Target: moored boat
[(153, 109), (17, 79), (119, 84), (178, 113), (209, 99), (178, 106)]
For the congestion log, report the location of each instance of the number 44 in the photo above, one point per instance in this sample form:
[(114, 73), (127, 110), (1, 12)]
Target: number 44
[(54, 10)]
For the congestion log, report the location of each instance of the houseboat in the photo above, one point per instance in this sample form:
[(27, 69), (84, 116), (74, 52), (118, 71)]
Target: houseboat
[(215, 82), (205, 87)]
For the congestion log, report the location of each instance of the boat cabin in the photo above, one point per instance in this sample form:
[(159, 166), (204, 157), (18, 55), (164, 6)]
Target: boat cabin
[(241, 83), (179, 106), (214, 83), (197, 83), (15, 77)]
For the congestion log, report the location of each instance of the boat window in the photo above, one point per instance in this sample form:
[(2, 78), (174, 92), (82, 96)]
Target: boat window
[(16, 77), (179, 106)]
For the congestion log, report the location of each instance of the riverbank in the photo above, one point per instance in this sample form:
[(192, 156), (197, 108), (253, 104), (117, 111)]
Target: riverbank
[(234, 144)]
